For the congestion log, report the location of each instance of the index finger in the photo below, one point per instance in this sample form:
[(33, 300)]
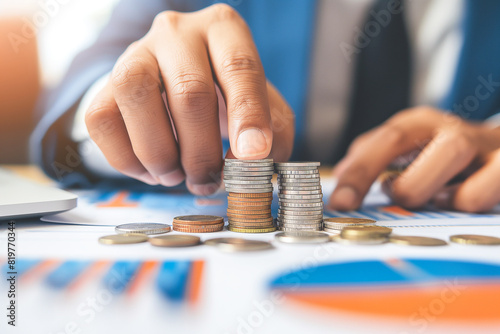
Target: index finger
[(240, 75)]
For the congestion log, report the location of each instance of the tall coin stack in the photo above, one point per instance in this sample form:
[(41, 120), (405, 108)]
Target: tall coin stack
[(250, 189), (300, 196)]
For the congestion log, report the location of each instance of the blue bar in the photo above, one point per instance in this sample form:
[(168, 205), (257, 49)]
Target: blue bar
[(172, 279), (120, 275), (66, 273), (21, 266)]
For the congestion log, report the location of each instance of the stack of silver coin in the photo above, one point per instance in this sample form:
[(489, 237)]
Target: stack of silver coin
[(300, 196), (250, 188)]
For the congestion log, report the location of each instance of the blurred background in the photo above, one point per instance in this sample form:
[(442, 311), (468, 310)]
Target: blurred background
[(38, 40)]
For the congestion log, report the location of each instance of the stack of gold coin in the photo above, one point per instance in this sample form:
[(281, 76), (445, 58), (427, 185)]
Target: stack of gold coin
[(250, 189), (198, 224), (300, 196), (337, 224), (364, 235)]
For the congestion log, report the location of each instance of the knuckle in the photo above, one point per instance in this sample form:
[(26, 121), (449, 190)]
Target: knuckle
[(167, 19), (247, 108), (224, 12), (393, 135), (191, 90), (132, 78), (238, 63), (457, 142)]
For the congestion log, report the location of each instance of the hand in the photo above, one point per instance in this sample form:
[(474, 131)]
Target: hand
[(184, 56), (449, 146)]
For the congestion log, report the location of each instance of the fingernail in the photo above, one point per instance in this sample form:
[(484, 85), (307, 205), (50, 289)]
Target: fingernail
[(149, 179), (251, 142), (172, 179), (344, 198), (203, 189)]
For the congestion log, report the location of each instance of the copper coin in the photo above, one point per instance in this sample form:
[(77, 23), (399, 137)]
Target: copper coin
[(257, 225), (197, 226), (249, 203), (206, 229), (235, 216)]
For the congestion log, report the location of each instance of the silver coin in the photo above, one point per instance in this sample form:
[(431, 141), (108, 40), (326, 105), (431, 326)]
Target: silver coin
[(308, 220), (246, 182), (305, 219), (247, 164), (302, 237), (294, 164), (143, 228), (283, 188), (248, 186), (306, 184), (301, 226), (249, 191), (298, 180), (301, 192), (304, 227), (248, 169), (248, 174), (298, 172), (271, 161), (335, 232), (303, 201), (295, 176), (301, 197), (301, 205), (300, 212), (248, 178)]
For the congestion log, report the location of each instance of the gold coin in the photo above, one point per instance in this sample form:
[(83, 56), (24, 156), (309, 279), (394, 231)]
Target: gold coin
[(250, 220), (254, 195), (474, 239), (238, 244), (175, 240), (365, 232), (416, 241), (123, 239), (177, 226), (252, 230), (198, 220), (251, 225), (258, 216)]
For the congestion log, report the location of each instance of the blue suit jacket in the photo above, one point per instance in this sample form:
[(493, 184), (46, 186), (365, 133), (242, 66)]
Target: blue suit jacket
[(283, 32)]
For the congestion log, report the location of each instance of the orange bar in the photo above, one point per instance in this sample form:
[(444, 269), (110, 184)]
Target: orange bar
[(90, 273), (38, 270), (118, 201), (194, 283), (398, 210), (142, 275)]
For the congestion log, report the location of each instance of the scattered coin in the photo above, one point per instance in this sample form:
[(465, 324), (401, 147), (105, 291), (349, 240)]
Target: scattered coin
[(339, 223), (365, 232), (374, 240), (302, 237), (144, 228), (475, 239), (238, 244), (174, 240), (416, 241), (122, 239)]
